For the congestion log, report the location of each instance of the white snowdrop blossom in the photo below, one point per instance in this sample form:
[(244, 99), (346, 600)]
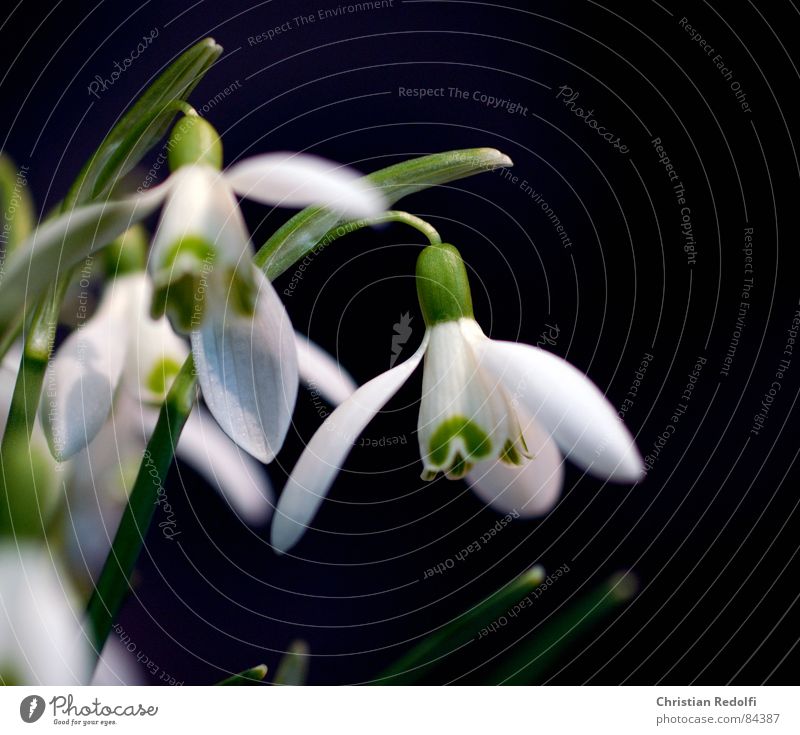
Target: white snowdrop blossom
[(102, 390), (205, 282), (500, 413), (41, 638)]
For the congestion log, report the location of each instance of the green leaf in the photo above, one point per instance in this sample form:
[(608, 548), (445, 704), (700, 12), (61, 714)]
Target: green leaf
[(144, 124), (63, 242), (249, 677), (16, 208), (431, 650), (293, 667), (531, 658), (304, 231)]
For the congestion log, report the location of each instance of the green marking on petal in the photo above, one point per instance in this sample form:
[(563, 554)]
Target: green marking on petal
[(513, 454), (243, 292), (187, 252), (473, 440), (181, 284), (162, 375)]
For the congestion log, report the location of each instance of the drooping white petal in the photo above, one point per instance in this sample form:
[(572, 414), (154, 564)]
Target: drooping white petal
[(454, 390), (530, 489), (247, 369), (568, 405), (41, 641), (98, 481), (155, 352), (322, 459), (81, 380), (298, 180), (200, 204), (64, 241), (117, 666), (238, 477), (321, 372)]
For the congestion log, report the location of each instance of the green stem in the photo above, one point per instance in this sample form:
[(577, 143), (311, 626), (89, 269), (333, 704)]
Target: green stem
[(25, 402), (264, 257), (113, 586)]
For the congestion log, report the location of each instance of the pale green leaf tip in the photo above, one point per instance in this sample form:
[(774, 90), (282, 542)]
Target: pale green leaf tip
[(535, 575), (623, 586)]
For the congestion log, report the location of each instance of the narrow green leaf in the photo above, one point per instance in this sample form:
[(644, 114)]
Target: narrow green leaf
[(421, 659), (16, 207), (530, 659), (304, 231), (63, 242), (293, 667), (249, 677), (144, 124)]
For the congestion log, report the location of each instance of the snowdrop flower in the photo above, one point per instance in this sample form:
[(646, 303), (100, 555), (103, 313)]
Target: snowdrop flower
[(242, 340), (501, 412), (100, 406), (204, 280), (41, 639)]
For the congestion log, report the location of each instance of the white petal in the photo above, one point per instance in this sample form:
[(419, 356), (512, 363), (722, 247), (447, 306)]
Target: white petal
[(81, 380), (41, 641), (238, 477), (247, 368), (154, 350), (297, 180), (454, 387), (324, 456), (321, 372), (200, 204), (117, 666), (568, 405), (530, 489), (60, 243)]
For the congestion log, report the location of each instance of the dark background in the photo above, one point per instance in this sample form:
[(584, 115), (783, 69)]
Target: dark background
[(711, 533)]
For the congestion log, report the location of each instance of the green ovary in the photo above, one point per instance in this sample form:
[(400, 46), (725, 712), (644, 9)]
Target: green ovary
[(162, 375), (474, 445)]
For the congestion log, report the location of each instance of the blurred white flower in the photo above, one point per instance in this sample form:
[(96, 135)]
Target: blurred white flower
[(41, 639)]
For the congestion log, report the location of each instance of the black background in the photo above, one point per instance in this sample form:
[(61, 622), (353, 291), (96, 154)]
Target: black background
[(711, 533)]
